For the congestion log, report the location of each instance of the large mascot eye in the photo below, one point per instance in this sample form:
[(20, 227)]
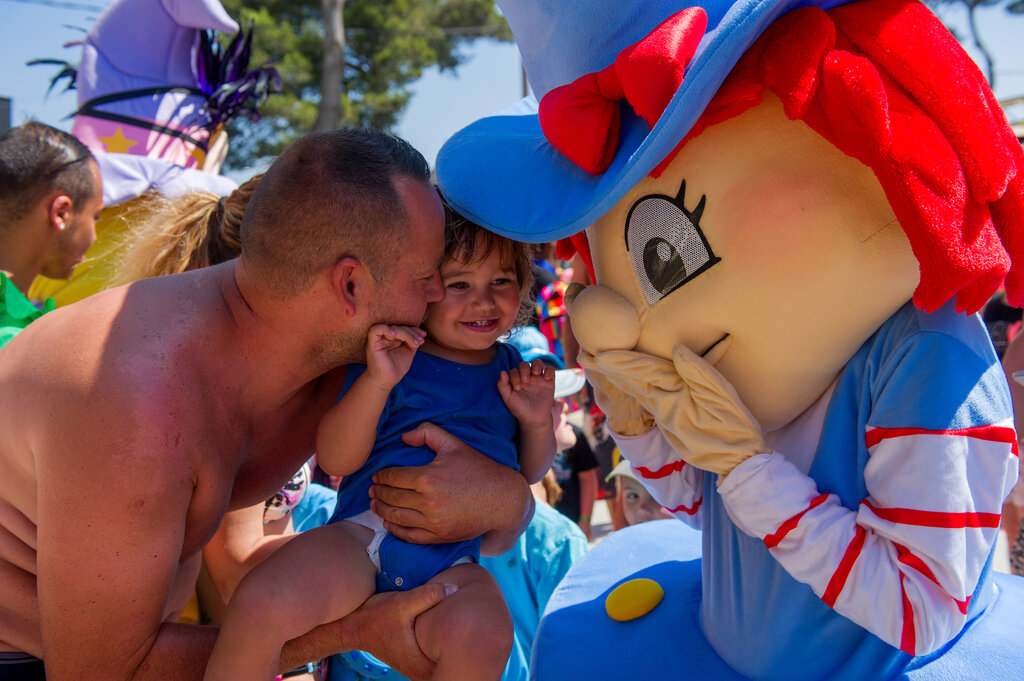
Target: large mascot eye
[(666, 243)]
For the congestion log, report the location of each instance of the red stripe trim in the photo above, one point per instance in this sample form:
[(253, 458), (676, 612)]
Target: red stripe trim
[(911, 560), (689, 510), (908, 639), (772, 540), (842, 573), (989, 433), (908, 558), (951, 521), (664, 471)]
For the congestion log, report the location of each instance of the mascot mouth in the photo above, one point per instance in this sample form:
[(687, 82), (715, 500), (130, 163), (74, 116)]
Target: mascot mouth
[(716, 351)]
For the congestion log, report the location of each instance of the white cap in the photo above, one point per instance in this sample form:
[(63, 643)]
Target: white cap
[(568, 382)]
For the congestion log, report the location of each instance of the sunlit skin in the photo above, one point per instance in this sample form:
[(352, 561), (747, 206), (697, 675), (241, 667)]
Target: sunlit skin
[(638, 506), (810, 261), (565, 437), (413, 281), (480, 304), (77, 234)]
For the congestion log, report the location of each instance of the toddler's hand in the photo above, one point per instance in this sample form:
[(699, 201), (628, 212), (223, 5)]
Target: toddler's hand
[(529, 393), (389, 352)]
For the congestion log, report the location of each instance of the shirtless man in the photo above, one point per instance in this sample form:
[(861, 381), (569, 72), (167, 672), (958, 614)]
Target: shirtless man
[(130, 422)]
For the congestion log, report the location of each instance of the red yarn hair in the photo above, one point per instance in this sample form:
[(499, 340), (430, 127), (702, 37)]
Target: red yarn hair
[(887, 84)]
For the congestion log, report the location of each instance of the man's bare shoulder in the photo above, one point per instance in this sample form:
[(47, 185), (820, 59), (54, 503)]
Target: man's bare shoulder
[(137, 354)]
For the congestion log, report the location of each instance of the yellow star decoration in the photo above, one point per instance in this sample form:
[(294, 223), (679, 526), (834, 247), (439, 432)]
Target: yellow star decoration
[(118, 143), (199, 155)]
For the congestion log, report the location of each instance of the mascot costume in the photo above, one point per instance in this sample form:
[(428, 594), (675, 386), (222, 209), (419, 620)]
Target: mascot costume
[(155, 91), (791, 212)]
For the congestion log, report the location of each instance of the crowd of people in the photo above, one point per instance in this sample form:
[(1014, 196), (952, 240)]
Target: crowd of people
[(159, 436)]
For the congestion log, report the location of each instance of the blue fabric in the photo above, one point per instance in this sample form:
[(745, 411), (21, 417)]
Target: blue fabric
[(316, 507), (739, 600), (577, 640), (31, 670), (405, 566), (461, 398), (936, 371), (534, 193), (528, 574)]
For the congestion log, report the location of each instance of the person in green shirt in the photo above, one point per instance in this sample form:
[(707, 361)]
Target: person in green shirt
[(16, 311), (50, 196)]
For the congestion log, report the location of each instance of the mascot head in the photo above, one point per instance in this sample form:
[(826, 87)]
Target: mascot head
[(153, 83), (764, 182)]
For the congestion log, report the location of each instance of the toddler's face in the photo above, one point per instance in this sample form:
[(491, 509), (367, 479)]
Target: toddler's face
[(638, 505), (480, 304)]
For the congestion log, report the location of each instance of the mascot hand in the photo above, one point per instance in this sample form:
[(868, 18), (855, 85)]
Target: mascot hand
[(707, 420), (698, 411), (625, 415)]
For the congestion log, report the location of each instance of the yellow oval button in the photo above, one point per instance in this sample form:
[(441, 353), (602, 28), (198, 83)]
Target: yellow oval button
[(633, 599)]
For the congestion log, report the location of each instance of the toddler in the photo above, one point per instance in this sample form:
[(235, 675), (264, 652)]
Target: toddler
[(454, 373)]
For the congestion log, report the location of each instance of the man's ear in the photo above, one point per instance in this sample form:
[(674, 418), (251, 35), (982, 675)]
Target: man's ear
[(59, 211), (349, 281)]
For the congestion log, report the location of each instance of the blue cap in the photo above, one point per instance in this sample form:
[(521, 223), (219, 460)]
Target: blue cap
[(501, 171), (532, 344)]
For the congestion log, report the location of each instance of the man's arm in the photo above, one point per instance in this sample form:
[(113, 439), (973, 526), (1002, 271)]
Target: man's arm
[(382, 626), (461, 494), (239, 545), (112, 512), (112, 506)]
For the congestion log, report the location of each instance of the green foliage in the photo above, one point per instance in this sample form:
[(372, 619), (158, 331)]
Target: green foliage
[(388, 45)]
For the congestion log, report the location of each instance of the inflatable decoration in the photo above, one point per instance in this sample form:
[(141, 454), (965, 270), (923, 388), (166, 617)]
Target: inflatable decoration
[(791, 212), (155, 90)]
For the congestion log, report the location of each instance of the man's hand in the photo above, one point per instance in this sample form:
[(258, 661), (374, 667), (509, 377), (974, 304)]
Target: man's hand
[(384, 626), (461, 494)]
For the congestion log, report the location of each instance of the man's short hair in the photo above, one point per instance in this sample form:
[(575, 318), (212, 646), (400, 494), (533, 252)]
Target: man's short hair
[(329, 195), (37, 159)]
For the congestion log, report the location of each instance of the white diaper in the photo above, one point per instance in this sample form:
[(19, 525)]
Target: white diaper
[(375, 523)]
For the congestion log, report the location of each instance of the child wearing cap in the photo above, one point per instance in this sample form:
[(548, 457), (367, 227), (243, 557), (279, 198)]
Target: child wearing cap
[(634, 504)]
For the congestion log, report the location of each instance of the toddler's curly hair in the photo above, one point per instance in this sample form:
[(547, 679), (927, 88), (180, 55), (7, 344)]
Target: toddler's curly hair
[(467, 242)]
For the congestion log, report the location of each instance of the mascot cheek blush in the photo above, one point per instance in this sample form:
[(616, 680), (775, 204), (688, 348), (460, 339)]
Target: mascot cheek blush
[(791, 215)]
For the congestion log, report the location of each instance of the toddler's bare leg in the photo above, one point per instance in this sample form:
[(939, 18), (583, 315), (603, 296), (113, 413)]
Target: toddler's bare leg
[(468, 634), (317, 577)]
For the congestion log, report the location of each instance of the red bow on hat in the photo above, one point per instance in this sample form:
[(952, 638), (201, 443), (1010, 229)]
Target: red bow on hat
[(582, 119)]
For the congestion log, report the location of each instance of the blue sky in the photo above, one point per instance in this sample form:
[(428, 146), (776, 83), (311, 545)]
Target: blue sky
[(441, 105)]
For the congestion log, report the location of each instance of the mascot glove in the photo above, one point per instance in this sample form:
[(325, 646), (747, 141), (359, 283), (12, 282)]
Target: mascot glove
[(697, 410), (625, 415)]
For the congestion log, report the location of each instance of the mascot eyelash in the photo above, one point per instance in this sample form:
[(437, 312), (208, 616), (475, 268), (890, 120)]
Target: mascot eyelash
[(666, 244)]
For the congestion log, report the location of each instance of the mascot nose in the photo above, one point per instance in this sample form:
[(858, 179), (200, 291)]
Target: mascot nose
[(602, 319)]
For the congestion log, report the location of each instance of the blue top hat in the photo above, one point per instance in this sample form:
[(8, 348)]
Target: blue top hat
[(502, 172)]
